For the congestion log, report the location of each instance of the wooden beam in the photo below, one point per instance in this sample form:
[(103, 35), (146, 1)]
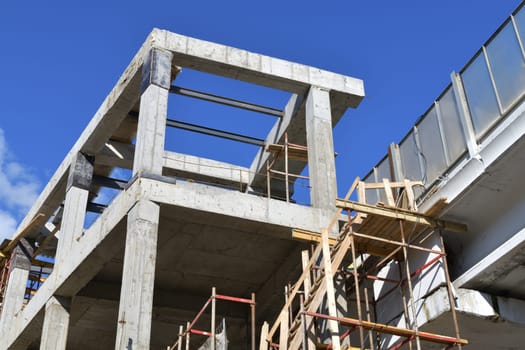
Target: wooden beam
[(386, 329), (7, 250), (400, 214), (375, 185), (310, 236)]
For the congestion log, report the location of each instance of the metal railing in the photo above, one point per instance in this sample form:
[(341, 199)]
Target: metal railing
[(480, 96)]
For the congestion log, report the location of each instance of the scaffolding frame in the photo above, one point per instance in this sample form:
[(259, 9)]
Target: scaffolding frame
[(375, 230), (289, 151), (184, 334)]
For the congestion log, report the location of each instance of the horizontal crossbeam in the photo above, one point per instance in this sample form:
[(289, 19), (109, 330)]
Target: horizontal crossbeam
[(225, 101), (386, 329), (400, 214), (215, 132)]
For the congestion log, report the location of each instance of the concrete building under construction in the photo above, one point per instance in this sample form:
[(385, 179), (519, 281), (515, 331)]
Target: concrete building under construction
[(424, 252)]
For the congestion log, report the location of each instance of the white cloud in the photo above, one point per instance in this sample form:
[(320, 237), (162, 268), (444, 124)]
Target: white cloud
[(19, 189), (7, 225)]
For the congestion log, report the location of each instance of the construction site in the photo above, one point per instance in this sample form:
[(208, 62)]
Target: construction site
[(425, 251)]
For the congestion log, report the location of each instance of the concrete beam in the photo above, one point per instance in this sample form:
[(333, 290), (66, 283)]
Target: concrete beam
[(106, 120), (205, 170), (255, 68), (151, 127), (138, 277), (232, 204), (117, 154), (89, 254), (56, 324)]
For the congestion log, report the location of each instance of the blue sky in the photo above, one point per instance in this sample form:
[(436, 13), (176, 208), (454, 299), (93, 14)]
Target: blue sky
[(59, 61)]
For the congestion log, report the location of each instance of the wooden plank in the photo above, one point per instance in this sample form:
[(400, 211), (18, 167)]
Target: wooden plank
[(376, 185), (361, 193), (283, 331), (310, 236), (389, 194), (263, 344), (7, 250), (401, 214), (386, 329), (410, 196), (333, 326)]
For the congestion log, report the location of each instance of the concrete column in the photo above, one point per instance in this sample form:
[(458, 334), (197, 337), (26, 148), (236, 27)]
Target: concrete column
[(138, 277), (319, 138), (151, 129), (16, 285), (56, 324), (77, 193)]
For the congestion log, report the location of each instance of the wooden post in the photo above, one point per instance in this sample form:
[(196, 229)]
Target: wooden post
[(357, 289), (263, 343), (213, 310), (181, 330), (333, 326), (252, 314), (409, 282), (188, 336)]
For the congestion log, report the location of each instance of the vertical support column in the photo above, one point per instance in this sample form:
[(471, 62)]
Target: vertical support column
[(75, 203), (138, 277), (56, 324), (321, 162), (151, 129), (16, 284)]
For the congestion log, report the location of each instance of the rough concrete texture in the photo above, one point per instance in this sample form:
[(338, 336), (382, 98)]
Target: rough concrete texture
[(148, 263)]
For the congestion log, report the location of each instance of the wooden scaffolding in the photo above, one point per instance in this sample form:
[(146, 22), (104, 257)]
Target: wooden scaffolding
[(374, 236)]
